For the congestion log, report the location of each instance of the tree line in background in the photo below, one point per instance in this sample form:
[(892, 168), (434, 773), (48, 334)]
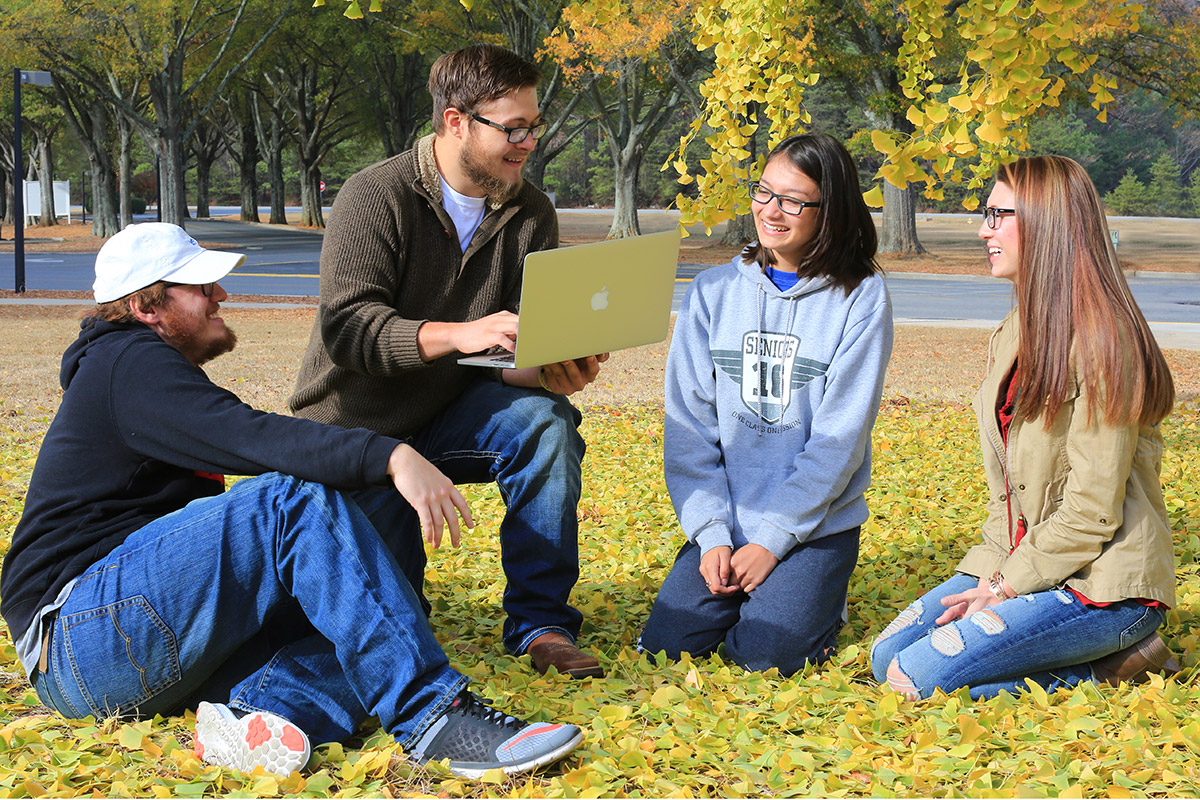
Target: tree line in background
[(651, 103)]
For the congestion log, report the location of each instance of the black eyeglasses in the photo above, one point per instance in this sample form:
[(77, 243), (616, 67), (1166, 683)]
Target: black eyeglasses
[(515, 135), (990, 213), (788, 205), (205, 288)]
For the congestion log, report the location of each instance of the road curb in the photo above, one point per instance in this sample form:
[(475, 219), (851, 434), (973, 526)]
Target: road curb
[(268, 225)]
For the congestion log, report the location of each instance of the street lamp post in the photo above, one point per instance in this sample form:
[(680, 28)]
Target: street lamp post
[(33, 78)]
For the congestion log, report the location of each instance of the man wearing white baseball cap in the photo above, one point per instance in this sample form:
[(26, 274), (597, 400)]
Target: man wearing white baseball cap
[(137, 585), (156, 251)]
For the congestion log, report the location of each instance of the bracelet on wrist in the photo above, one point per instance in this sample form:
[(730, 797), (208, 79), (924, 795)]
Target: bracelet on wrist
[(996, 584), (542, 379)]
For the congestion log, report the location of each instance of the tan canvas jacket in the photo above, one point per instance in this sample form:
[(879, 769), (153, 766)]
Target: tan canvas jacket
[(1089, 492)]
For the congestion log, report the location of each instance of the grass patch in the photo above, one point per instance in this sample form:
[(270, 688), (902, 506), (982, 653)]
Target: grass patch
[(703, 728)]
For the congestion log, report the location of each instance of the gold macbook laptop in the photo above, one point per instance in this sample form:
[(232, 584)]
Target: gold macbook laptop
[(592, 298)]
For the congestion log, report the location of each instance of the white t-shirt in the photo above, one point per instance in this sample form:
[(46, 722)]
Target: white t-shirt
[(467, 212)]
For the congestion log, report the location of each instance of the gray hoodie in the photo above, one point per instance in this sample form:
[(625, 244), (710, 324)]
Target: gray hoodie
[(770, 401)]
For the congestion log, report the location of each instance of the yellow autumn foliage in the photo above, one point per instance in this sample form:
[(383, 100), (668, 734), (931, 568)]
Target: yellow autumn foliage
[(702, 728)]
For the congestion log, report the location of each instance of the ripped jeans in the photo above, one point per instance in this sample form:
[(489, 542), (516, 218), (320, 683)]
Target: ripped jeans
[(1048, 637)]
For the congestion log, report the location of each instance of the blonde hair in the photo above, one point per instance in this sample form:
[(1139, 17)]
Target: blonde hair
[(1073, 298)]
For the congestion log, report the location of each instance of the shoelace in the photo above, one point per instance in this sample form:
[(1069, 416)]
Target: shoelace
[(470, 705)]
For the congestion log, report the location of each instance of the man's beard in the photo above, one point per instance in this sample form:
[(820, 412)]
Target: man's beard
[(191, 340), (476, 169)]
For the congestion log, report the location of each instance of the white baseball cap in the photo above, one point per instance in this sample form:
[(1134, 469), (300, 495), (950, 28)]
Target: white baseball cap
[(156, 251)]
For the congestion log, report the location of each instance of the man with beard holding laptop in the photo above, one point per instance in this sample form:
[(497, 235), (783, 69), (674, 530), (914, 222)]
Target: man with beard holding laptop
[(421, 264)]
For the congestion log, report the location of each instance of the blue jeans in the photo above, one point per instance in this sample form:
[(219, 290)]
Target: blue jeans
[(278, 595), (1048, 637), (792, 618), (527, 441)]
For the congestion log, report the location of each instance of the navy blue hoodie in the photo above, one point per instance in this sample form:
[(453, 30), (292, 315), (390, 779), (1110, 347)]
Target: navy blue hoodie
[(141, 432)]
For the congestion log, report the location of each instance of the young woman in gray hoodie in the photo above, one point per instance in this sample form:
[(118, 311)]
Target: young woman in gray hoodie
[(773, 384)]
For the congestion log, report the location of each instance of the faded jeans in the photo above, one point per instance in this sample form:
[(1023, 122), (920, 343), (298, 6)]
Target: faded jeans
[(1048, 637), (527, 442), (277, 595)]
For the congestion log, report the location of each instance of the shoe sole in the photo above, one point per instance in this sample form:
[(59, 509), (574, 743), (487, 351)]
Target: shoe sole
[(586, 672), (221, 742), (477, 772)]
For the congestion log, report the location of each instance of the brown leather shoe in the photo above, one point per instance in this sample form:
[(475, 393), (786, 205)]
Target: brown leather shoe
[(556, 650), (1136, 662)]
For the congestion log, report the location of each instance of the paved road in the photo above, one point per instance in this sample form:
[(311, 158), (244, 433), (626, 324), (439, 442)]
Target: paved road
[(283, 261), (279, 261)]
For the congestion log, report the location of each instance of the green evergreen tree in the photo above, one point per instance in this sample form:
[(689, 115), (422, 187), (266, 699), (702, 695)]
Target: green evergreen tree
[(1166, 189), (1193, 195), (1130, 198)]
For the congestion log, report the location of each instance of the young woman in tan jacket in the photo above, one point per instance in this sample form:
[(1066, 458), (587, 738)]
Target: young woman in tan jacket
[(1076, 568)]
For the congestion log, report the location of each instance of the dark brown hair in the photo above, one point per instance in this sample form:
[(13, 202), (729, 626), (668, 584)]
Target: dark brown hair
[(845, 243), (1073, 301), (153, 296), (478, 74)]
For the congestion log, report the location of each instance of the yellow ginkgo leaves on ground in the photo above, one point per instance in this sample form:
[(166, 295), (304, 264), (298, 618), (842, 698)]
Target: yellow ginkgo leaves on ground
[(701, 727)]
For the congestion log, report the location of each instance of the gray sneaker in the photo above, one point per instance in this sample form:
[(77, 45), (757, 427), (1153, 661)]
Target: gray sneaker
[(476, 738)]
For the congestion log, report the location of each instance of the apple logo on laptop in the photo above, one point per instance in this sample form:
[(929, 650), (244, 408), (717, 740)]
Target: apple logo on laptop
[(600, 299)]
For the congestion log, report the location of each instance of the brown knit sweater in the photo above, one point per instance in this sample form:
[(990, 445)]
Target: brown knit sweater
[(391, 261)]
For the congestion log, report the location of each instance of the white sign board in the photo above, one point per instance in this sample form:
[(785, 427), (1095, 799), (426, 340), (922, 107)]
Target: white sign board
[(62, 199)]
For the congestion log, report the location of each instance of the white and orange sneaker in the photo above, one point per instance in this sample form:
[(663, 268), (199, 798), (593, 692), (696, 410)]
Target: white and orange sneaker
[(258, 739)]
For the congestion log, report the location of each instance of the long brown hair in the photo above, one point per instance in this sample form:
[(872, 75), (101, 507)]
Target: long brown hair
[(1071, 294), (844, 246)]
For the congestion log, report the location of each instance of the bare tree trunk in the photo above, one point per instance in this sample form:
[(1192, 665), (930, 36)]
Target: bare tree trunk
[(248, 171), (625, 218), (46, 179), (739, 231), (104, 211), (314, 91), (166, 88), (171, 189), (535, 171), (899, 229), (898, 233), (203, 169), (275, 171), (97, 118), (90, 120), (273, 134), (125, 170), (7, 156), (207, 145), (311, 214), (630, 124)]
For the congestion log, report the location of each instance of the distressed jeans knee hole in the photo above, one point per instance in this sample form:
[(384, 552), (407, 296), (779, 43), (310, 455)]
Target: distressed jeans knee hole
[(901, 683)]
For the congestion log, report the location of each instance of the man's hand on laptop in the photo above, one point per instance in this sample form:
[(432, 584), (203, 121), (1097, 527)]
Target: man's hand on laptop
[(435, 498), (436, 339), (568, 377)]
